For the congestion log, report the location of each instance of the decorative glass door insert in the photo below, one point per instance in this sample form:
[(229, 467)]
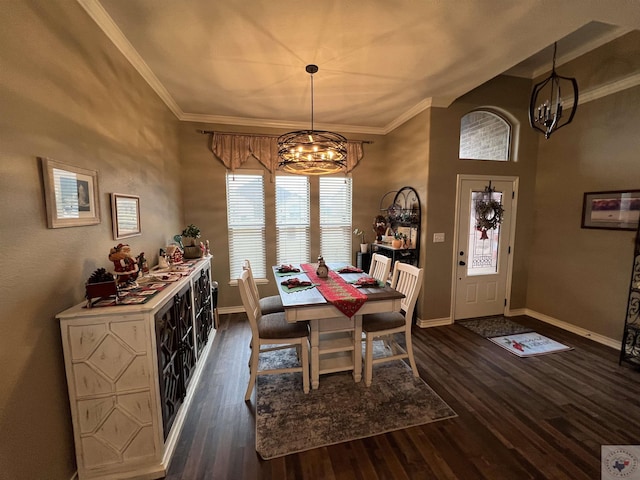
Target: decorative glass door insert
[(483, 244)]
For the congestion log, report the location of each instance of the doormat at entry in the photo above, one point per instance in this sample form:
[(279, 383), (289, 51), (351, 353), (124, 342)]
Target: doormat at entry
[(496, 326), (529, 344)]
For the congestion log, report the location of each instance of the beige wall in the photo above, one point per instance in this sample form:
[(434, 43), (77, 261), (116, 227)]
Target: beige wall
[(408, 158), (581, 276), (509, 96), (424, 152), (68, 94)]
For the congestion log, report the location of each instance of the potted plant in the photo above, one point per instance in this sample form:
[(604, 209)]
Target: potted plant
[(190, 234), (191, 247), (364, 246), (398, 240)]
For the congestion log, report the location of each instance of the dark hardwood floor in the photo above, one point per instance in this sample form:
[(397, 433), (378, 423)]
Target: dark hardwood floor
[(518, 418)]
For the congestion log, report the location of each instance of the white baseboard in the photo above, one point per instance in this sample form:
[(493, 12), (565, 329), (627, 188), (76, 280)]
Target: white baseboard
[(439, 322), (434, 322), (596, 337), (232, 309)]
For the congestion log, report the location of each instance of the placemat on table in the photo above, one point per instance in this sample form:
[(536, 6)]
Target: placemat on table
[(367, 282), (295, 285), (349, 269)]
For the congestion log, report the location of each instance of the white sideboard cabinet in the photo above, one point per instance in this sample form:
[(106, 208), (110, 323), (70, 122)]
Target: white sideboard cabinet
[(131, 373)]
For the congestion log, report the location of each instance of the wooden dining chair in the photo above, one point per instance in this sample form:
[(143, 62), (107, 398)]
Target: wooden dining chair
[(276, 333), (380, 267), (270, 304), (407, 279)]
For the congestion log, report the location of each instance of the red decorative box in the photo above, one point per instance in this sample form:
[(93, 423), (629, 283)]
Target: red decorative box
[(102, 289)]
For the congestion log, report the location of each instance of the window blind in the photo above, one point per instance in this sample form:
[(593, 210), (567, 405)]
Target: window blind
[(335, 219), (246, 222), (292, 219)]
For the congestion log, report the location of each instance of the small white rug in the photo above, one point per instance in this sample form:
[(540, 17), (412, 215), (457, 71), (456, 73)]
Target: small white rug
[(529, 344)]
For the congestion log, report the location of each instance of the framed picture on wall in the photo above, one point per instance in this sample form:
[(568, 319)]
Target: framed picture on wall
[(613, 210), (71, 194), (125, 212)]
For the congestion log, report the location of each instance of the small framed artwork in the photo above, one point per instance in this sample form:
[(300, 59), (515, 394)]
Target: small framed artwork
[(614, 210), (71, 195), (125, 212)]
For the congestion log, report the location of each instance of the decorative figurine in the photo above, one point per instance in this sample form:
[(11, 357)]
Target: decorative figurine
[(162, 260), (380, 227), (142, 264), (323, 270), (125, 265), (174, 254)]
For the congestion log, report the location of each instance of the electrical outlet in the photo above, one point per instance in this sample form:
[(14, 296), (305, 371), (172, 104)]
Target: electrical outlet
[(438, 237)]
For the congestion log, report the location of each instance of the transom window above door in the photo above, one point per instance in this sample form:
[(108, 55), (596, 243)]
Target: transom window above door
[(484, 135)]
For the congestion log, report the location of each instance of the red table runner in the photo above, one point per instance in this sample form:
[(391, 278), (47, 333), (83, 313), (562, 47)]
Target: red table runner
[(335, 290)]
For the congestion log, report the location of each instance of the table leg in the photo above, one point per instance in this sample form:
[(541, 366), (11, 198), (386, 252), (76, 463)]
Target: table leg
[(315, 354), (357, 348)]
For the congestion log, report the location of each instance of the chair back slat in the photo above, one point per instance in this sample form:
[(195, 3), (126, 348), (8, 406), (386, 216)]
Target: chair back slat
[(407, 279), (246, 265), (250, 301), (380, 267)]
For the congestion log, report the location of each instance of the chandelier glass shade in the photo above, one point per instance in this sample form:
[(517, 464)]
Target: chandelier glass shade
[(312, 152), (546, 110)]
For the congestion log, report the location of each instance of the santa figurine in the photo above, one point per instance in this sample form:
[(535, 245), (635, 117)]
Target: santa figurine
[(126, 266)]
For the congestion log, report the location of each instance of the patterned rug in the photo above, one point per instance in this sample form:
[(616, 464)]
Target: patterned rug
[(288, 421), (496, 326)]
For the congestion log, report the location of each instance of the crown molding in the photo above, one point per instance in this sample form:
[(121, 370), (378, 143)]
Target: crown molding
[(97, 12), (442, 102), (269, 123), (99, 15), (582, 50), (605, 89)]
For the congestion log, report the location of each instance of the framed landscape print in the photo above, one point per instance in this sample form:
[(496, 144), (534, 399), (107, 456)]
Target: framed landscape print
[(613, 210), (71, 195)]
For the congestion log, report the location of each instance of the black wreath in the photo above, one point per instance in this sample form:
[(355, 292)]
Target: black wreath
[(488, 214)]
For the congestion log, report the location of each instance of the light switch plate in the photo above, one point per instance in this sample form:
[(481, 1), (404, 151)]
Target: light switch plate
[(438, 237)]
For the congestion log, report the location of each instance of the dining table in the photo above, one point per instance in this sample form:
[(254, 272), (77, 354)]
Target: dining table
[(334, 307)]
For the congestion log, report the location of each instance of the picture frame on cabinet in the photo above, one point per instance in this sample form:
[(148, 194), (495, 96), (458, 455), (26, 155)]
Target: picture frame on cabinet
[(125, 214), (71, 194), (611, 210)]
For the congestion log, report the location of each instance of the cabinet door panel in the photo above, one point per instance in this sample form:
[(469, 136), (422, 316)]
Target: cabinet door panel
[(204, 314), (168, 344), (185, 325)]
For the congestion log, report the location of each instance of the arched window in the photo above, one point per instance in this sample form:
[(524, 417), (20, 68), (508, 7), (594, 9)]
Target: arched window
[(484, 135)]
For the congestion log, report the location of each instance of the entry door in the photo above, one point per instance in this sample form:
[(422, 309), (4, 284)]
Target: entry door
[(482, 258)]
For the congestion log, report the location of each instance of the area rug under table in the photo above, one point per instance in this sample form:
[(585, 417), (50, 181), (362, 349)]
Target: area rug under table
[(496, 326), (340, 410)]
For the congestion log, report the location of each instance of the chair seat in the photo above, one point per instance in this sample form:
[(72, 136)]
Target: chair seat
[(275, 325), (375, 322), (271, 304)]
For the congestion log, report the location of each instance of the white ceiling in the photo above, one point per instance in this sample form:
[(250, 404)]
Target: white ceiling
[(242, 62)]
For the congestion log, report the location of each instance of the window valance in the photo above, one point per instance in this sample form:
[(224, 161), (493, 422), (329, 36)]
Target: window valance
[(234, 149)]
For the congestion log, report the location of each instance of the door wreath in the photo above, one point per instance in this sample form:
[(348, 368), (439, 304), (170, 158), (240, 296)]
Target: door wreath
[(489, 213)]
